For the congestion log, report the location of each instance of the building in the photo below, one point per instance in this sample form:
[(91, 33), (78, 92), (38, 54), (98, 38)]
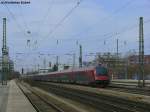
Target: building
[(134, 59), (133, 66), (124, 67), (115, 63)]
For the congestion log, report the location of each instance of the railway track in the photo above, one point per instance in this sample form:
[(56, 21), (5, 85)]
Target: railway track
[(39, 102), (100, 102), (129, 89)]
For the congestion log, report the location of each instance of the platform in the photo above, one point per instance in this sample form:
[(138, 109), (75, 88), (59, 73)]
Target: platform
[(13, 100), (3, 97)]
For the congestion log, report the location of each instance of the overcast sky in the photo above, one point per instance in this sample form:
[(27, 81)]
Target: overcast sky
[(96, 24)]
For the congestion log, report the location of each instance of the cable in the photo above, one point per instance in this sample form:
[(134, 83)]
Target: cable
[(106, 18), (46, 15), (112, 34), (116, 11), (63, 19), (13, 16), (25, 24)]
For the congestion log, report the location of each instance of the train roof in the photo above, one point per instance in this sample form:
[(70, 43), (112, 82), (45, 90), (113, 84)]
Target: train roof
[(78, 69), (66, 71), (70, 70)]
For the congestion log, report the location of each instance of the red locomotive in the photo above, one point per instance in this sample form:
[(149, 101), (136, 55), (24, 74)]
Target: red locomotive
[(87, 76)]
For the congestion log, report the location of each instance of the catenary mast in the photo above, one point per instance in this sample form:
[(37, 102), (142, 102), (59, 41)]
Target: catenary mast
[(5, 55)]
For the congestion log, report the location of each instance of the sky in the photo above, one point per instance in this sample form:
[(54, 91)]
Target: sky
[(45, 29)]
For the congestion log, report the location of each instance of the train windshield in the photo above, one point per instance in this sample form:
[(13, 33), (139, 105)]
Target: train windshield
[(101, 71)]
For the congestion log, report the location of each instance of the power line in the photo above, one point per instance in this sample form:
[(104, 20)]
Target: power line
[(125, 30), (45, 16), (13, 16), (78, 3), (106, 18), (43, 21), (115, 34), (25, 23), (63, 19), (112, 34)]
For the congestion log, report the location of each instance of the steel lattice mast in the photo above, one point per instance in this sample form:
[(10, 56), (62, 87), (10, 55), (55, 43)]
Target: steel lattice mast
[(5, 57)]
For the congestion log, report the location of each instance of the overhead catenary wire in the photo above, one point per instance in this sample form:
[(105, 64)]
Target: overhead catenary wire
[(124, 30), (27, 29), (24, 22), (22, 30), (63, 19), (116, 34), (78, 3), (107, 17), (17, 23), (45, 16), (106, 35)]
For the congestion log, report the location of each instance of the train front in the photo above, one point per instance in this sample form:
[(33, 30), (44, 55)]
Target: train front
[(101, 76)]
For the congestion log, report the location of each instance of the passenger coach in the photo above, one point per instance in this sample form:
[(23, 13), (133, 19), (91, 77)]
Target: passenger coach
[(87, 76)]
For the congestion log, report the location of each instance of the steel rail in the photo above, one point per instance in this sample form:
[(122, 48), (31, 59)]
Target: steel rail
[(55, 107), (106, 103), (126, 89)]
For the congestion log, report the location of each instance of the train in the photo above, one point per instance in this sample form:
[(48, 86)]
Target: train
[(96, 75)]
